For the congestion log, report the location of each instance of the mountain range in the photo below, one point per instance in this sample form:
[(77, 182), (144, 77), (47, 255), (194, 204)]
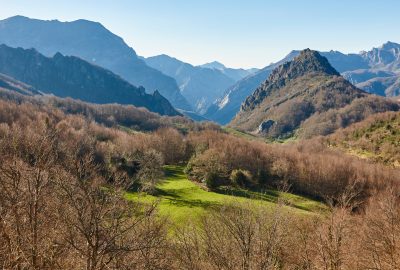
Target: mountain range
[(375, 71), (306, 97), (92, 42), (210, 91), (200, 85), (235, 73), (380, 71), (70, 76)]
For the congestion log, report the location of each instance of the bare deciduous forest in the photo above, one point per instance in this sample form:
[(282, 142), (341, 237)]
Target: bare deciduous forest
[(63, 176)]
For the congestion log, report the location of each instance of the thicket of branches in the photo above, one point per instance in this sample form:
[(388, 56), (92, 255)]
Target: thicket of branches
[(241, 236), (62, 206), (308, 167)]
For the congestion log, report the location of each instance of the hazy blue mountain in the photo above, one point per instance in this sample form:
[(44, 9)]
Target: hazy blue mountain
[(200, 86), (345, 62), (70, 76), (92, 42), (214, 65), (376, 71), (383, 86), (386, 57), (234, 73), (226, 107)]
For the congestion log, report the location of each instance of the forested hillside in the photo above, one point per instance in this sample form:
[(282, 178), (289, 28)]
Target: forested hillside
[(78, 172)]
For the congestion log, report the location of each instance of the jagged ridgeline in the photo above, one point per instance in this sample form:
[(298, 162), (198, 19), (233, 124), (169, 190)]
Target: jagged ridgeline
[(306, 97), (69, 76), (91, 42)]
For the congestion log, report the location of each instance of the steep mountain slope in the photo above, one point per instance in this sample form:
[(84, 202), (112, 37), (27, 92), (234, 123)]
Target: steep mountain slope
[(226, 107), (69, 76), (305, 88), (235, 73), (8, 83), (92, 42), (376, 71), (200, 86)]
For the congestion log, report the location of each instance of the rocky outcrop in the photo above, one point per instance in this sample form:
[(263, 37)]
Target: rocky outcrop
[(265, 126)]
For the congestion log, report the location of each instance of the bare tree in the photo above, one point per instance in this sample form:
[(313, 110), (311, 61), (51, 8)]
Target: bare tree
[(101, 229), (381, 237)]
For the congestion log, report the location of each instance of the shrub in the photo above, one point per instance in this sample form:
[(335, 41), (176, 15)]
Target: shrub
[(212, 180), (241, 178), (262, 177)]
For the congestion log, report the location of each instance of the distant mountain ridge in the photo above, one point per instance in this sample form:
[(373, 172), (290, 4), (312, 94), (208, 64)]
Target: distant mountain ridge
[(92, 42), (305, 97), (69, 76), (376, 71), (234, 73), (200, 86)]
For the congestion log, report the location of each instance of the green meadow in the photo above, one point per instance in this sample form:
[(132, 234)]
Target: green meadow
[(181, 199)]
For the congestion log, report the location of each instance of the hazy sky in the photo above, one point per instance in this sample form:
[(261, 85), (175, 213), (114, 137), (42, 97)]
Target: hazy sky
[(238, 33)]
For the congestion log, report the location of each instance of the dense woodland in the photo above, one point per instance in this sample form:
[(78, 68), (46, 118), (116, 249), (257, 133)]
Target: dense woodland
[(66, 165)]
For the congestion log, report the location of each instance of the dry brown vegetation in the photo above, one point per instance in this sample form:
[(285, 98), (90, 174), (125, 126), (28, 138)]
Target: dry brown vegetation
[(62, 206), (377, 138), (327, 122), (246, 237), (110, 115), (308, 167)]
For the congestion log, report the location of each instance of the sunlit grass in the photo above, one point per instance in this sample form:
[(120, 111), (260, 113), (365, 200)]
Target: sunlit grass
[(181, 199)]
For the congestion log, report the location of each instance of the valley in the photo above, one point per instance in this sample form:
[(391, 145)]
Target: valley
[(165, 147)]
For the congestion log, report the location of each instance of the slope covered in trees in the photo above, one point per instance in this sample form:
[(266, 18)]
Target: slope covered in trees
[(306, 97), (376, 138), (63, 202)]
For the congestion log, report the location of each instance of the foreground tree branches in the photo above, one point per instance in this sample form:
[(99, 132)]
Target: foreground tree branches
[(62, 206)]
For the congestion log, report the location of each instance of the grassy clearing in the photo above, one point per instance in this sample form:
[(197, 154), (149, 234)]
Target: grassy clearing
[(181, 199), (241, 134)]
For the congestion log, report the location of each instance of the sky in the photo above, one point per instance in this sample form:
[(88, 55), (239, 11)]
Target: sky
[(238, 33)]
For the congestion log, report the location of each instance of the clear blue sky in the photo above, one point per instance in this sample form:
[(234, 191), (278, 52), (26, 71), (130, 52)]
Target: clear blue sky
[(238, 33)]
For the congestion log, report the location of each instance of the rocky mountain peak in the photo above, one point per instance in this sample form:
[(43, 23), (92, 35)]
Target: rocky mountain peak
[(214, 65), (387, 54), (307, 62), (390, 45)]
